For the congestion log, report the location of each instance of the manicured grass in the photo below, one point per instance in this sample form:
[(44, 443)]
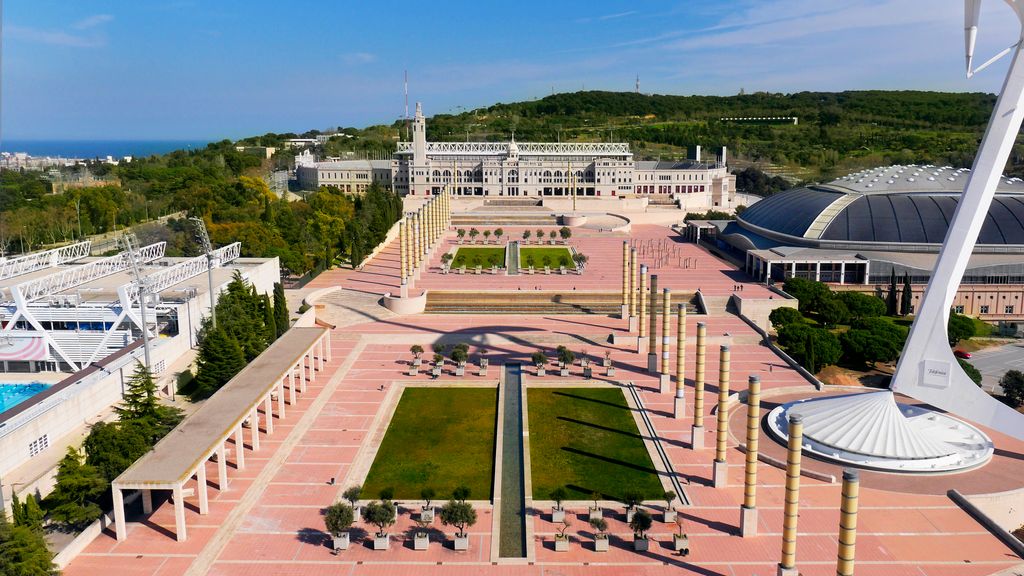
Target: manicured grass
[(585, 439), (554, 255), (471, 256), (439, 437)]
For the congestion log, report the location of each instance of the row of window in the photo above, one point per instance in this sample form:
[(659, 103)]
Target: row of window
[(984, 309)]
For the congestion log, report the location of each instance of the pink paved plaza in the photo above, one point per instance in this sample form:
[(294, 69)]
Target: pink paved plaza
[(268, 519)]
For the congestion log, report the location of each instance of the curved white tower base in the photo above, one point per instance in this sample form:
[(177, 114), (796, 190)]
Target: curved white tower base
[(927, 369), (870, 430)]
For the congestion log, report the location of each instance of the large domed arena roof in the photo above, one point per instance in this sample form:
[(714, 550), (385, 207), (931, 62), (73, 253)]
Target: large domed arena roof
[(897, 207)]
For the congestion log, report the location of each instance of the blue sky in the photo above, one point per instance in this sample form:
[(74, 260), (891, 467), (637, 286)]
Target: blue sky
[(180, 69)]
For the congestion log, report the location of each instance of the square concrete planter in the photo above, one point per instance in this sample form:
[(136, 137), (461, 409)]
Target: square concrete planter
[(427, 514), (629, 514), (417, 361), (669, 516), (561, 543), (564, 372), (557, 515), (595, 514), (381, 542), (357, 513), (547, 270), (436, 371), (341, 541), (540, 372), (610, 371), (461, 542), (588, 372), (462, 269), (562, 270), (601, 543), (607, 363), (479, 269), (421, 541), (641, 544), (680, 543), (460, 370), (494, 269)]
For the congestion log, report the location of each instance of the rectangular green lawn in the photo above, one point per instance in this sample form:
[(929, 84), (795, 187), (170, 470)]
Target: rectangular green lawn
[(586, 440), (554, 254), (439, 437), (470, 256)]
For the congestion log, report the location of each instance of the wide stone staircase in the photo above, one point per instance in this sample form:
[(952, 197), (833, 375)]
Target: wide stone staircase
[(531, 302), (464, 219)]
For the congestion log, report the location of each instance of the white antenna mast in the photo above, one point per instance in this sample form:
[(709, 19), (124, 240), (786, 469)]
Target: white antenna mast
[(407, 137)]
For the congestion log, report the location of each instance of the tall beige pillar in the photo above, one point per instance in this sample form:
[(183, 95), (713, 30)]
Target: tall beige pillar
[(642, 311), (791, 509), (627, 286), (697, 431), (634, 288), (748, 511), (720, 471), (417, 253), (848, 523), (401, 248), (679, 402), (666, 334), (652, 329)]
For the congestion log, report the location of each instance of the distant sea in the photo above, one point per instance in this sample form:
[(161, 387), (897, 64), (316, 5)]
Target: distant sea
[(98, 148)]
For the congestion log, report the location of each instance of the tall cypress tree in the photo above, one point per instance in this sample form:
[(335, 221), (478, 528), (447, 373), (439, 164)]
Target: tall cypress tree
[(269, 323), (906, 298), (141, 406), (890, 298), (220, 358), (280, 309)]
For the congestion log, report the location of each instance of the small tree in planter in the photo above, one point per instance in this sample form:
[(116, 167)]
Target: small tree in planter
[(461, 233), (580, 260), (484, 362), (540, 360), (632, 499), (387, 494), (417, 353), (427, 515), (421, 539), (487, 236), (640, 524), (530, 262), (565, 233), (462, 493), (551, 236), (459, 355), (600, 525), (382, 515), (498, 234), (460, 515), (540, 236), (526, 236), (352, 494), (558, 495), (565, 359), (438, 364), (595, 510), (670, 512), (680, 540), (446, 261), (546, 261), (338, 518), (561, 539), (473, 233)]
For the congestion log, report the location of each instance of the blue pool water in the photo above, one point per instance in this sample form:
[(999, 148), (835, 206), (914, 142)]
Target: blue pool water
[(13, 394)]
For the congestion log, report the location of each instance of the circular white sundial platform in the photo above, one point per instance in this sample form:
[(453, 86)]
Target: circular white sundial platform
[(870, 430)]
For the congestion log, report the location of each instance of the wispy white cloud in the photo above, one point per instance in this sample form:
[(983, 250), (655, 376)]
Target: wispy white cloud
[(358, 58), (92, 21), (54, 37), (605, 17)]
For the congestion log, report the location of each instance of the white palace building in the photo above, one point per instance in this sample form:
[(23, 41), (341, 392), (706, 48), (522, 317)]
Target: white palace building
[(531, 169)]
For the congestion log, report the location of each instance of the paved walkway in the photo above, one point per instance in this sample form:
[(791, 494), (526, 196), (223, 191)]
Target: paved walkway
[(269, 519)]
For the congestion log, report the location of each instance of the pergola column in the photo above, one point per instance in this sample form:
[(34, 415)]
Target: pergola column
[(312, 365), (842, 273), (120, 530), (201, 489), (291, 387), (268, 413), (302, 369), (179, 515), (697, 431), (327, 346), (322, 356), (239, 448), (720, 465), (147, 501), (254, 428), (280, 399), (679, 402), (222, 467)]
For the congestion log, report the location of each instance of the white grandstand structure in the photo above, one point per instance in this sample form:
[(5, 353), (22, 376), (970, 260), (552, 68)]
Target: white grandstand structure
[(61, 310)]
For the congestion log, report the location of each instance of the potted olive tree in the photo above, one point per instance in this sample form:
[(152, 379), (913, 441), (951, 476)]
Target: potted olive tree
[(421, 538), (640, 524), (427, 513), (438, 364), (565, 359), (461, 515), (680, 541), (632, 499), (446, 262), (565, 233), (551, 237), (382, 515), (417, 353), (459, 355), (338, 518), (487, 236), (595, 510), (588, 372), (484, 362), (498, 234), (607, 358), (461, 233), (540, 236), (600, 525), (557, 512), (526, 236), (473, 233), (562, 539), (670, 512), (352, 495), (530, 263), (540, 360)]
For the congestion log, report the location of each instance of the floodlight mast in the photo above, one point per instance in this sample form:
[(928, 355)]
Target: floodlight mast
[(927, 369), (130, 242), (204, 239)]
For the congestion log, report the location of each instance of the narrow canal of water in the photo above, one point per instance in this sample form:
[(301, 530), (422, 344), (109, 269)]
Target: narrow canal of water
[(512, 536)]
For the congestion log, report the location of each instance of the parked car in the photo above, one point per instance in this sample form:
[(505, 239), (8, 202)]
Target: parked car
[(962, 354)]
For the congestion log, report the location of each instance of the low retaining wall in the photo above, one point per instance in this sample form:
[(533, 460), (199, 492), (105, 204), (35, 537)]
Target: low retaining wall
[(987, 521), (75, 547), (408, 305)]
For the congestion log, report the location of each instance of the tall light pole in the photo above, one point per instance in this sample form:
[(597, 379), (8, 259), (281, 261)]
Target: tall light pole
[(204, 240), (129, 241)]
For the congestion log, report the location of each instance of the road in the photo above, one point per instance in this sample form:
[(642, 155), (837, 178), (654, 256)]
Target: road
[(994, 362)]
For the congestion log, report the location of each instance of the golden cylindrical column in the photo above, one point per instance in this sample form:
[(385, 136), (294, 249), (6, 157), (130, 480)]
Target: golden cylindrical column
[(417, 236), (848, 523), (679, 402), (634, 282), (722, 432), (666, 329), (626, 276), (698, 376), (753, 426), (652, 311), (791, 510), (403, 266), (642, 305)]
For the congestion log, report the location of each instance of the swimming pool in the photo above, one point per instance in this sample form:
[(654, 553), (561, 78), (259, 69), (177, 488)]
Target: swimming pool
[(14, 394)]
